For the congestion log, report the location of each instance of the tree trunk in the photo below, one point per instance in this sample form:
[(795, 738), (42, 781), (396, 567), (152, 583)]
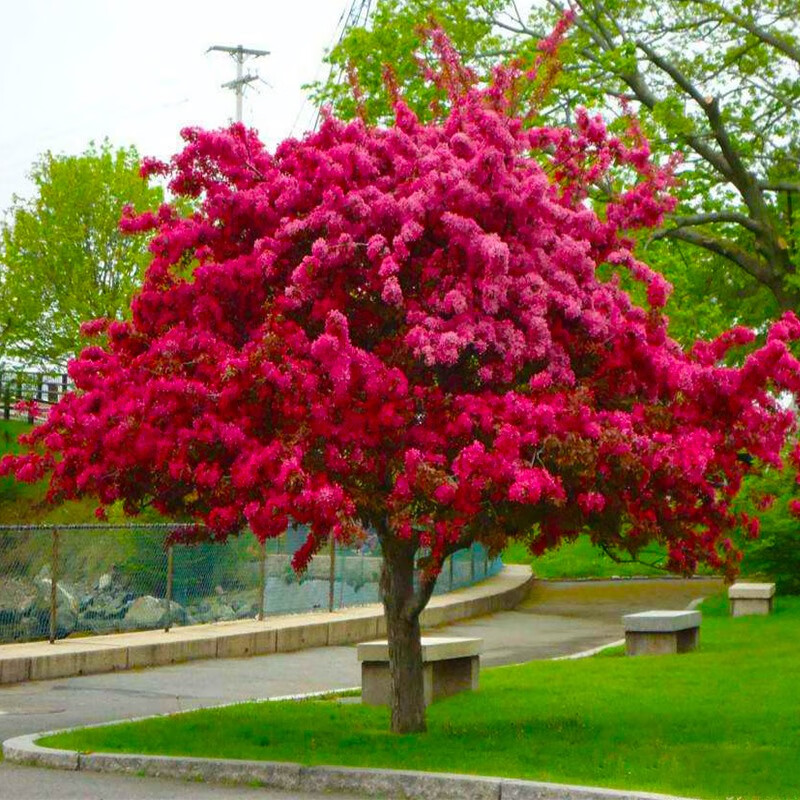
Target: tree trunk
[(402, 627)]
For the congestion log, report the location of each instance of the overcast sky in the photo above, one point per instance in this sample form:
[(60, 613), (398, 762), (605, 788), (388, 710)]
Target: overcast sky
[(76, 70)]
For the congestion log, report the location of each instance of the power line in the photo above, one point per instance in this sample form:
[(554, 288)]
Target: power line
[(241, 80), (354, 16)]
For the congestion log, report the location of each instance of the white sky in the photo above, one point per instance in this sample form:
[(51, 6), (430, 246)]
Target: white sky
[(136, 72)]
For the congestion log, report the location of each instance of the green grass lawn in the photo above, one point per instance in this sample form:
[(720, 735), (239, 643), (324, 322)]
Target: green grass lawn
[(722, 722), (579, 559)]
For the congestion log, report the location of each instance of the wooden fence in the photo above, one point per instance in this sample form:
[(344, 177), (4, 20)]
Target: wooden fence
[(46, 388)]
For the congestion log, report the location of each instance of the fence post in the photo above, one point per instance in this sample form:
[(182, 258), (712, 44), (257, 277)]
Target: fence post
[(332, 576), (168, 593), (54, 588), (262, 579)]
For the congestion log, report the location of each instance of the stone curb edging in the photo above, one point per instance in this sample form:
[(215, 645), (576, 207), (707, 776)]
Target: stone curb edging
[(110, 653), (288, 776)]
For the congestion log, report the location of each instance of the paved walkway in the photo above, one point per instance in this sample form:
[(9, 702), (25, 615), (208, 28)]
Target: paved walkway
[(557, 619)]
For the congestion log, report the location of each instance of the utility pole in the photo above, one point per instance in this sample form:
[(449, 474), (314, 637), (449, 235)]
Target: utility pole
[(239, 54)]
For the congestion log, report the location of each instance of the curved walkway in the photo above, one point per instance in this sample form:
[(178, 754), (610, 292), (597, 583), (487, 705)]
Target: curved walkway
[(558, 618)]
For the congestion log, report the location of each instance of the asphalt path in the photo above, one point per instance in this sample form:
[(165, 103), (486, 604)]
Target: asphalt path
[(559, 618)]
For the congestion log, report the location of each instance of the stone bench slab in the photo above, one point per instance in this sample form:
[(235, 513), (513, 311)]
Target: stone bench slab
[(751, 591), (434, 648), (661, 621)]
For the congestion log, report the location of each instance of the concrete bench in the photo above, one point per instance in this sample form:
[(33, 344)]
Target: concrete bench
[(661, 632), (751, 598), (449, 666)]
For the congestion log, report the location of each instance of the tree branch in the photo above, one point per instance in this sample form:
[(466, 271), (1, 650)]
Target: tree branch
[(426, 586), (709, 106), (617, 560), (752, 265), (779, 186), (719, 216), (787, 48)]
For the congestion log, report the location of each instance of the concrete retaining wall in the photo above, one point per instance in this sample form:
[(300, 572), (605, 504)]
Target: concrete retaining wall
[(96, 654)]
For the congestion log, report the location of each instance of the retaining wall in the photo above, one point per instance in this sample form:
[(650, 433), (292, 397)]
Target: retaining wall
[(96, 654)]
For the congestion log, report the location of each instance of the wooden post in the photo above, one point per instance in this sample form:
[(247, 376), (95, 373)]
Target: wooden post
[(262, 579), (168, 593), (332, 576), (54, 588)]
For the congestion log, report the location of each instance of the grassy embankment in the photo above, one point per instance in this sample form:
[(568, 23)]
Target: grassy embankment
[(721, 722)]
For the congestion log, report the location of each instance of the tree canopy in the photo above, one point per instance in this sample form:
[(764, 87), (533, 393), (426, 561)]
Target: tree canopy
[(418, 330), (717, 81), (63, 259)]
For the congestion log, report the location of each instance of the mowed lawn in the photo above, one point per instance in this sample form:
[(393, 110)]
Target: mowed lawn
[(722, 722)]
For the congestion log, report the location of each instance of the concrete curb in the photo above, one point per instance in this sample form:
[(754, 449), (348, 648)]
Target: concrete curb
[(109, 653), (589, 653), (295, 777)]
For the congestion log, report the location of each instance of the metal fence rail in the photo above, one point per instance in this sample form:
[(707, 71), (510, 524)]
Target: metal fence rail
[(57, 581)]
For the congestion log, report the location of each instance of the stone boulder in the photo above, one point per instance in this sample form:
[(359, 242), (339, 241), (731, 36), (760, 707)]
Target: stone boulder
[(150, 612)]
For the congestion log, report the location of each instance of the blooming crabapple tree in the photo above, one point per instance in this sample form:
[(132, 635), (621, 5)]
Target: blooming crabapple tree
[(406, 330)]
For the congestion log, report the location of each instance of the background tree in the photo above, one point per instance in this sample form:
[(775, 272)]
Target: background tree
[(718, 81), (409, 330), (63, 258)]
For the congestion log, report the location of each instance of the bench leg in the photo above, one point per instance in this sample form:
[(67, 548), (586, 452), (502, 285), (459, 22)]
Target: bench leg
[(376, 683), (744, 606), (641, 643), (455, 675)]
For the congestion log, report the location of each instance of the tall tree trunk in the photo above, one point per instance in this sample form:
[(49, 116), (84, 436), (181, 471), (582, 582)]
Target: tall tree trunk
[(402, 626)]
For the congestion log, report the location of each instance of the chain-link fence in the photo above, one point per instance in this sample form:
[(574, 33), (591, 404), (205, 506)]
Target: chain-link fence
[(85, 579)]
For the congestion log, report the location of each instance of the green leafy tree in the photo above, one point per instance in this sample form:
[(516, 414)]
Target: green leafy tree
[(63, 259), (715, 79)]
